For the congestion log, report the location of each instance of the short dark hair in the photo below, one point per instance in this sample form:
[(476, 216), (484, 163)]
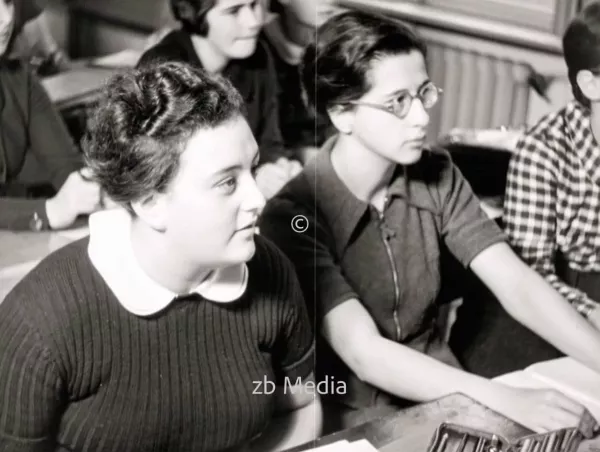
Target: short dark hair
[(336, 66), (581, 46), (276, 7), (143, 121), (191, 14)]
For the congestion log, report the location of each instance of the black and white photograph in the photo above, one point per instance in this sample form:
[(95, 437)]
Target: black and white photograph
[(299, 225)]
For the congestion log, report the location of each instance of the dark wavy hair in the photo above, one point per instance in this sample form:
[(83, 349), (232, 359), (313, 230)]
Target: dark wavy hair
[(143, 122), (581, 47), (191, 14), (335, 68)]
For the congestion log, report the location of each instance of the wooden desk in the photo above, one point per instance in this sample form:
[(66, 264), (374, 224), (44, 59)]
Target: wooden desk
[(21, 251), (76, 87), (411, 430)]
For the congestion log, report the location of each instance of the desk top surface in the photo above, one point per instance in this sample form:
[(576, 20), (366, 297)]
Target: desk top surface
[(77, 86), (21, 251), (411, 430)]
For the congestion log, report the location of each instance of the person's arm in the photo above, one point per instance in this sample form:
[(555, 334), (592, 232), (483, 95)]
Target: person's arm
[(528, 298), (406, 373), (49, 138), (298, 418), (51, 143), (270, 139), (530, 215), (31, 389), (392, 367)]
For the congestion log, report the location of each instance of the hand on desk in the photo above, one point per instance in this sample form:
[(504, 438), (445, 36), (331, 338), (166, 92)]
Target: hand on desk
[(78, 196), (540, 410)]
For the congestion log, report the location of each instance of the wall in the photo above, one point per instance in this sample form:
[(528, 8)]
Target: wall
[(482, 62)]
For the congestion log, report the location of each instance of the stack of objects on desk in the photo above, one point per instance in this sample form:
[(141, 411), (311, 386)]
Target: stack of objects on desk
[(457, 438), (346, 446)]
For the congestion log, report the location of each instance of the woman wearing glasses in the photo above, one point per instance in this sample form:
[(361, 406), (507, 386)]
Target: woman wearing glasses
[(380, 208)]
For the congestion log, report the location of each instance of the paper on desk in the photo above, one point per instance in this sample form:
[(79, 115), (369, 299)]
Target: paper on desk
[(571, 378), (565, 375), (338, 446), (362, 446), (344, 446)]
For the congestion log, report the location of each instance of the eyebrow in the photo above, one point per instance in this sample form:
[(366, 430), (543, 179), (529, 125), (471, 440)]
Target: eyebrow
[(236, 167), (406, 90), (233, 4)]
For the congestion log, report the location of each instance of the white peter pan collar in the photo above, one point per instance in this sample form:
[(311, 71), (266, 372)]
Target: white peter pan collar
[(112, 255)]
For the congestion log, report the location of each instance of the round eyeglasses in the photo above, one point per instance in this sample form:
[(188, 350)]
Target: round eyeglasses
[(428, 94)]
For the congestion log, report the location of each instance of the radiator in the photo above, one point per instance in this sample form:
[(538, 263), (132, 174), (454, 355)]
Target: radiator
[(480, 90)]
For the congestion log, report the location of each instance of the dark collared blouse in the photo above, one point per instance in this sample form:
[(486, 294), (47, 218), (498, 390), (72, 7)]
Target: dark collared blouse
[(391, 263)]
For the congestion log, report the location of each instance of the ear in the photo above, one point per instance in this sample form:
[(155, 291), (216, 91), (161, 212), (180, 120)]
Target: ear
[(183, 10), (589, 84), (342, 118), (152, 210)]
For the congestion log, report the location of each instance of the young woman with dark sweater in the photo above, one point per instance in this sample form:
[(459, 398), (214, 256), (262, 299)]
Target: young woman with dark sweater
[(172, 327)]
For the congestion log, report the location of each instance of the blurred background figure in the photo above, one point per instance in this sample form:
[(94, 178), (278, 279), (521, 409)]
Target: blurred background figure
[(36, 45), (553, 224), (29, 123), (222, 36), (290, 26)]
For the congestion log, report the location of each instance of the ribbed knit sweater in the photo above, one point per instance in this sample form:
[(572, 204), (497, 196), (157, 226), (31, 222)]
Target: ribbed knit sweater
[(78, 372)]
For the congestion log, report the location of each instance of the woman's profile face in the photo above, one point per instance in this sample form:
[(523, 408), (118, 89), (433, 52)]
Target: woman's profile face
[(7, 22), (399, 140), (213, 202)]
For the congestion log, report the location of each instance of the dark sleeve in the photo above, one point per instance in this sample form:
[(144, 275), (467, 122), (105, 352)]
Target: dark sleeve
[(151, 56), (169, 48), (270, 140), (294, 348), (322, 281), (30, 386), (49, 138), (466, 229)]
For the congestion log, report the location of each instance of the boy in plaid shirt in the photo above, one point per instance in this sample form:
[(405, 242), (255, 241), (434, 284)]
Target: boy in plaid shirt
[(552, 206)]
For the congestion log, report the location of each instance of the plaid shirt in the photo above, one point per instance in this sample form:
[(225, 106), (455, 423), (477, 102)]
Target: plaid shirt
[(553, 198)]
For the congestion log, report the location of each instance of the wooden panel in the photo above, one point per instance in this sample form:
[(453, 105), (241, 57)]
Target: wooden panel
[(538, 14), (144, 15), (464, 24)]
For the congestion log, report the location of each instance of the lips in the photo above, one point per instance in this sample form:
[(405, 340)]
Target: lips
[(250, 225)]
